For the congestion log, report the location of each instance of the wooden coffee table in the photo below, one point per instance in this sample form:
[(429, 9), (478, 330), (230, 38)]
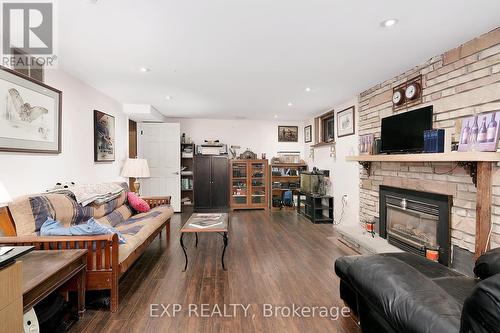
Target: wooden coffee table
[(46, 271), (220, 229)]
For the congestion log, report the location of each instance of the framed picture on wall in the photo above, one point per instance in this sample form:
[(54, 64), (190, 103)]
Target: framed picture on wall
[(345, 122), (308, 134), (288, 134), (104, 137), (30, 114), (480, 132)]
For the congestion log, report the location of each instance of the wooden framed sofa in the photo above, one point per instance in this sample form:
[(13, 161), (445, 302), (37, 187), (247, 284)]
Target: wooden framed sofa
[(107, 259)]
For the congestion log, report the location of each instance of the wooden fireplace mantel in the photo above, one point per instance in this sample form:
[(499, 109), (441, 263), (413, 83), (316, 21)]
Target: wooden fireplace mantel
[(437, 157), (477, 164)]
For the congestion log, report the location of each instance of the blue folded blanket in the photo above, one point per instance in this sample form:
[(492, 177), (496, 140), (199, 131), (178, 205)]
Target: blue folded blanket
[(52, 227)]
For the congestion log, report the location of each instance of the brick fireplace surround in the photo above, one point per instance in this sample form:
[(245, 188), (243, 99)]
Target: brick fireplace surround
[(457, 83)]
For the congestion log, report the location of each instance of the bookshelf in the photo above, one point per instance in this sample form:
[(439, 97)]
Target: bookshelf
[(187, 173), (284, 177)]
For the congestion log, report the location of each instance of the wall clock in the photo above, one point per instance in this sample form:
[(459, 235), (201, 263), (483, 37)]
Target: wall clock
[(398, 97), (407, 94), (412, 91)]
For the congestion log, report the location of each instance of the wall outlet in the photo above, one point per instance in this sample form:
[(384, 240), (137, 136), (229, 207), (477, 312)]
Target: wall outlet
[(345, 198)]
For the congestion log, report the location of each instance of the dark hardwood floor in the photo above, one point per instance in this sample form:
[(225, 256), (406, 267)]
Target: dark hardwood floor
[(279, 259)]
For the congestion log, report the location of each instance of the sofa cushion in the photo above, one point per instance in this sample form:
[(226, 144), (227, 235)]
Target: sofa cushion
[(117, 216), (430, 269), (408, 299), (488, 264), (138, 204), (138, 228), (101, 210), (30, 212), (458, 287), (481, 310)]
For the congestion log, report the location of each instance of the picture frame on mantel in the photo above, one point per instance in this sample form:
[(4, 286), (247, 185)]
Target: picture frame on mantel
[(480, 132), (308, 134), (30, 114), (104, 137), (346, 122)]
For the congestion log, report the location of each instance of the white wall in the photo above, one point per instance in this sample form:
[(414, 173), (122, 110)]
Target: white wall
[(30, 173), (261, 136), (344, 175)]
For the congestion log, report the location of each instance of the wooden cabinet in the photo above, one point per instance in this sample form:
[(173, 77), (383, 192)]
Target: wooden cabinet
[(249, 184), (210, 183)]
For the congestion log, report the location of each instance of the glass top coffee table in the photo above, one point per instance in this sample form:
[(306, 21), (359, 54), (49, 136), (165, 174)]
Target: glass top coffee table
[(206, 223)]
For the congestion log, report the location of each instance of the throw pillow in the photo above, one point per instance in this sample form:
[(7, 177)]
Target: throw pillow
[(137, 203), (488, 264)]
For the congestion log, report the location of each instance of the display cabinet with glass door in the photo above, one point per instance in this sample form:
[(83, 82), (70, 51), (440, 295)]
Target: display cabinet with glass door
[(249, 184)]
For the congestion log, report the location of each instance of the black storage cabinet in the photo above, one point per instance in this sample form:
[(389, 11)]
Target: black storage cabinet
[(211, 182)]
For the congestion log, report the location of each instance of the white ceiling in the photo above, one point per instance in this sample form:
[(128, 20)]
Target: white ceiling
[(250, 58)]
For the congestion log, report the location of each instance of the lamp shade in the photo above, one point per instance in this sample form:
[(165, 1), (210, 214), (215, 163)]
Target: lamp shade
[(135, 168), (4, 196)]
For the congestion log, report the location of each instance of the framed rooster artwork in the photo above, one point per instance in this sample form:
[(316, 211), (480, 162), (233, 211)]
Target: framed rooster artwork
[(30, 114)]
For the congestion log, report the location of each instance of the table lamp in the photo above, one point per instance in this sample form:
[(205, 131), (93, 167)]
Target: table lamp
[(4, 213), (4, 196), (136, 168)]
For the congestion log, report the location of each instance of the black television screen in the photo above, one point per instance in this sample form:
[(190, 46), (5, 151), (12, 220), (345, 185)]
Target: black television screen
[(404, 132)]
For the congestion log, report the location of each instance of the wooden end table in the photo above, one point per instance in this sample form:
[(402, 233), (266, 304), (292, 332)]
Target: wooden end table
[(221, 229), (46, 271)]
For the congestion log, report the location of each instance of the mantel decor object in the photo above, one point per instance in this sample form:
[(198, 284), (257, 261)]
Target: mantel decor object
[(366, 144), (480, 132)]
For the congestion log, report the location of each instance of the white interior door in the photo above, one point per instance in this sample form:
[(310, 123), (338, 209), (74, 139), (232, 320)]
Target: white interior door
[(159, 143)]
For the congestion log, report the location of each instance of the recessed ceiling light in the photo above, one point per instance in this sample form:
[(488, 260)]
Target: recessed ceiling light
[(390, 22), (168, 98), (308, 89), (275, 116), (145, 69), (290, 104)]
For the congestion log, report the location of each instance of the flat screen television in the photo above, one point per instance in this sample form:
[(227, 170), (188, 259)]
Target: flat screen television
[(404, 132)]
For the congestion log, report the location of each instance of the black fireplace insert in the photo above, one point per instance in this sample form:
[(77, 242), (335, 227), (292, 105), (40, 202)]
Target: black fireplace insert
[(416, 221)]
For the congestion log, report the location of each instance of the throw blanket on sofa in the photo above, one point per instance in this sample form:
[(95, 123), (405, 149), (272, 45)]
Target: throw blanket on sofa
[(52, 227), (88, 193)]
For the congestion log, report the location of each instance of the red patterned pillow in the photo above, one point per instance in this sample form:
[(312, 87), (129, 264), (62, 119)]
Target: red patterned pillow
[(137, 203)]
